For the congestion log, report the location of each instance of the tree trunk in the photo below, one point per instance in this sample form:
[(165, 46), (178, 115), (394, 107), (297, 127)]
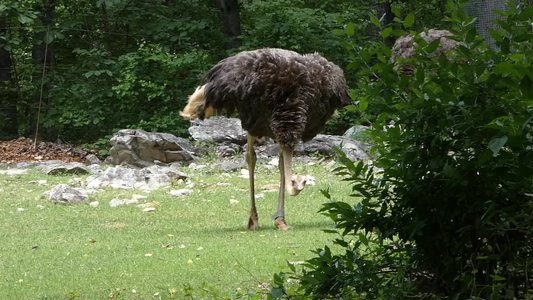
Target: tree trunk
[(43, 58), (229, 13), (8, 95), (386, 10)]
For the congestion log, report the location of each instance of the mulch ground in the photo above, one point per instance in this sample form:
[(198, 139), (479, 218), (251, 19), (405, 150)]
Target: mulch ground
[(24, 150)]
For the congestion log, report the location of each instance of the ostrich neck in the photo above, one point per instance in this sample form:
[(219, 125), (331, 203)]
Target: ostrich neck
[(287, 169)]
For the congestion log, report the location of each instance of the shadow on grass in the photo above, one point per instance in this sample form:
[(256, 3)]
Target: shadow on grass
[(268, 226)]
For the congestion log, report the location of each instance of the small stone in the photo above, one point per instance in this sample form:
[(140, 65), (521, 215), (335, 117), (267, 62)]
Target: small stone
[(196, 167), (310, 180), (14, 172), (234, 201), (40, 182), (121, 202), (274, 162), (149, 209), (67, 195), (20, 209), (94, 204), (180, 193), (138, 197), (148, 205), (244, 174)]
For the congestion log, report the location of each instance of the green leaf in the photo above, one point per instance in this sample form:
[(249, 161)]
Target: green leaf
[(471, 35), (396, 11), (420, 75), (277, 293), (409, 20), (24, 19), (432, 46), (504, 68), (497, 143), (386, 32), (350, 29), (363, 104), (375, 20)]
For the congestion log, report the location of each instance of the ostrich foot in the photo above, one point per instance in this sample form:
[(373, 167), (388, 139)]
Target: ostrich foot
[(281, 224), (253, 223)]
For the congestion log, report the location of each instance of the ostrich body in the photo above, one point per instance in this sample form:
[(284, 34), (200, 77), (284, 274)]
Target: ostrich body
[(278, 94)]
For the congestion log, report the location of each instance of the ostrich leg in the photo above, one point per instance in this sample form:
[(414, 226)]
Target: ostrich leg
[(253, 221), (285, 171)]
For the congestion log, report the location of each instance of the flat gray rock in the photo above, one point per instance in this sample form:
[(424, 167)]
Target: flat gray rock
[(142, 149), (65, 168), (218, 130), (65, 194)]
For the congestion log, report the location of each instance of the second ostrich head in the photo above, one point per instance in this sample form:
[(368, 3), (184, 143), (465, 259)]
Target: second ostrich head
[(296, 184)]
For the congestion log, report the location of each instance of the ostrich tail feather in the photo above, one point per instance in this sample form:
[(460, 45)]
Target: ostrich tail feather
[(195, 107)]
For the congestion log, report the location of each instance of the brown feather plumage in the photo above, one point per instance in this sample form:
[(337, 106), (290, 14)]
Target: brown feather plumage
[(277, 93)]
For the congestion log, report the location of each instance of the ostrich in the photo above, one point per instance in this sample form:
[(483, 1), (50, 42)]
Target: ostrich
[(278, 94), (406, 46)]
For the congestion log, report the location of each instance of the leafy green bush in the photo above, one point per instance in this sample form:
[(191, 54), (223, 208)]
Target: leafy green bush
[(144, 89), (445, 208)]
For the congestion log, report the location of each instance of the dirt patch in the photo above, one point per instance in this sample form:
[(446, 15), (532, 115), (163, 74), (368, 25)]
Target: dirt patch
[(23, 150)]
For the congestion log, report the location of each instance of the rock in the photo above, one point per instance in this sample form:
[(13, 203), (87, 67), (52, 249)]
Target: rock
[(94, 204), (121, 177), (65, 168), (196, 167), (218, 130), (356, 132), (231, 164), (65, 194), (227, 149), (323, 144), (140, 148), (180, 193), (92, 159), (14, 172), (122, 202)]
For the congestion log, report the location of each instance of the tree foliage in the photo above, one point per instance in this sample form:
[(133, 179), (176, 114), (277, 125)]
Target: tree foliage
[(118, 63), (445, 206)]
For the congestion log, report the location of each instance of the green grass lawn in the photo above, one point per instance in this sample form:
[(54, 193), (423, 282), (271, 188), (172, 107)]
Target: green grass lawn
[(51, 251)]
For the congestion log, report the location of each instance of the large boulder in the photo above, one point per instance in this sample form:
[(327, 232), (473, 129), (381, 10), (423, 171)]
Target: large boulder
[(65, 168), (140, 148), (218, 130), (324, 144), (65, 194), (148, 179)]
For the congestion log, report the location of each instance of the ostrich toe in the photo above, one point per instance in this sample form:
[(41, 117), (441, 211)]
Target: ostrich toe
[(281, 224)]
